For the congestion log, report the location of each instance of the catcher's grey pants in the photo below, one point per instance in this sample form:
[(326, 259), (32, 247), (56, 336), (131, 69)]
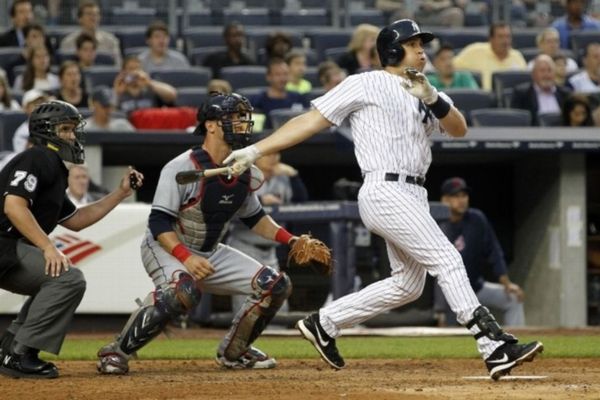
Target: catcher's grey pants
[(44, 318), (490, 295)]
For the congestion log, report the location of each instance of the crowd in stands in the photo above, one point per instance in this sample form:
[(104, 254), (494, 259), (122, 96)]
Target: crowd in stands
[(285, 69)]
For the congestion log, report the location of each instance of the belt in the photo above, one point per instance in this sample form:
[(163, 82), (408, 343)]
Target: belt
[(415, 180)]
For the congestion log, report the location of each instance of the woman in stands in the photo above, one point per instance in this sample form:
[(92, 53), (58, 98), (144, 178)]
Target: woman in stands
[(7, 103), (361, 54), (71, 89), (577, 112), (37, 73)]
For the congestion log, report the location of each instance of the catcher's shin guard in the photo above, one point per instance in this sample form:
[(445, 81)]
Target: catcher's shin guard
[(157, 310), (488, 326), (272, 288)]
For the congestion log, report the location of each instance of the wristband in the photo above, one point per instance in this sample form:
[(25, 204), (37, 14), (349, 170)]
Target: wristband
[(181, 252), (440, 108), (282, 236)]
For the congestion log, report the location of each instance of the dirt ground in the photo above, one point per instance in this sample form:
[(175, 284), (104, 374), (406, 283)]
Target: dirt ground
[(311, 379)]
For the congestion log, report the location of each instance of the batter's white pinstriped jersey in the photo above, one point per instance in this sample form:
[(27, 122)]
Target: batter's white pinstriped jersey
[(390, 127)]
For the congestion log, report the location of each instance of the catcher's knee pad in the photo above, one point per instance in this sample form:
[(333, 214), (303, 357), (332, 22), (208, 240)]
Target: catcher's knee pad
[(488, 326), (272, 288)]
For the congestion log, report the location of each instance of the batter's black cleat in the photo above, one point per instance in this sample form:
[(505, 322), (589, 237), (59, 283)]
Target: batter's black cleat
[(312, 331), (510, 355), (6, 343)]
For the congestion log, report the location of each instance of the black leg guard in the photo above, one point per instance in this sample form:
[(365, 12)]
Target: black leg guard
[(272, 289), (488, 326)]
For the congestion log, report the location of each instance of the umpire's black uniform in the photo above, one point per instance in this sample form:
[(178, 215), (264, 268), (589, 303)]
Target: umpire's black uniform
[(40, 176)]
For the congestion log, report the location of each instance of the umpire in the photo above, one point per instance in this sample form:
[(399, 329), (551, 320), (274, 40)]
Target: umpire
[(34, 201)]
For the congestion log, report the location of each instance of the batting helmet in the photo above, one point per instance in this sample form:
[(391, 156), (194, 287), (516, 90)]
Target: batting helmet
[(390, 39), (42, 128), (221, 107)]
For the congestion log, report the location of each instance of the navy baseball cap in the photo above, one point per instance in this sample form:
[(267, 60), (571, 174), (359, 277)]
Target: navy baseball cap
[(453, 186)]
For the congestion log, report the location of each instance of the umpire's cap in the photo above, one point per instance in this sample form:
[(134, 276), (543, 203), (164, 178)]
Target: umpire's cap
[(390, 39)]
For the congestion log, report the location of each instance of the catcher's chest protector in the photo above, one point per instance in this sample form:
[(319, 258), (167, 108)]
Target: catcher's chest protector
[(218, 201)]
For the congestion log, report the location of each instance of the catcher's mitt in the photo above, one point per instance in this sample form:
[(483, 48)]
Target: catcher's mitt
[(309, 252)]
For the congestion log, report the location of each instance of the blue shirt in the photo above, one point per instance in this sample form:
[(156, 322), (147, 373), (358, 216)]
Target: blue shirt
[(266, 104), (478, 245), (564, 29)]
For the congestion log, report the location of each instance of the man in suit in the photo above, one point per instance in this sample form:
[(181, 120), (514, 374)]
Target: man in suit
[(21, 14), (541, 95)]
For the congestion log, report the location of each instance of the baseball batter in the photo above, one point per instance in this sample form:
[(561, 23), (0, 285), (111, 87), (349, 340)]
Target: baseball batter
[(182, 253), (392, 113)]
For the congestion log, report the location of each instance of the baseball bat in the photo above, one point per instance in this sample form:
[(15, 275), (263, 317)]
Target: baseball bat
[(186, 177)]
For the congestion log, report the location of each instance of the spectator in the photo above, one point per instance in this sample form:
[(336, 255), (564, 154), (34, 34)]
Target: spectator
[(7, 103), (446, 77), (37, 73), (428, 12), (86, 50), (21, 14), (548, 42), (577, 111), (158, 56), (588, 80), (276, 96), (541, 95), (78, 190), (574, 20), (488, 57), (296, 61), (71, 89), (135, 89), (234, 55), (362, 52), (472, 235), (278, 44), (219, 86), (330, 74), (102, 104), (89, 21), (560, 70), (31, 99), (282, 185), (35, 36)]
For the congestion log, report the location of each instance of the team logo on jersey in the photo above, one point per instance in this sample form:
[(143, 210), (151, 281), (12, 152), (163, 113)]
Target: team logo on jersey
[(226, 199), (74, 247), (425, 112)]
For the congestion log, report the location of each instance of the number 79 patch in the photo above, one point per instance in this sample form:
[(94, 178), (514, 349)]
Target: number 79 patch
[(30, 182)]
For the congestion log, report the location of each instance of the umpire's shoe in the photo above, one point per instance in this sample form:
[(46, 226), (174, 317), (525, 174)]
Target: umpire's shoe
[(251, 359), (27, 366), (510, 355), (312, 331)]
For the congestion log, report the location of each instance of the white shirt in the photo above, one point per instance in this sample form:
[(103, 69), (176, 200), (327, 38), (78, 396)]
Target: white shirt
[(390, 127), (582, 83), (19, 141), (547, 102)]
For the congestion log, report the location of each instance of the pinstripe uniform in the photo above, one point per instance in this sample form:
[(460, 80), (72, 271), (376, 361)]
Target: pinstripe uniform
[(391, 129)]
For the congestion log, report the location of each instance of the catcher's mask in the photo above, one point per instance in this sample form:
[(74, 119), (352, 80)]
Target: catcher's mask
[(233, 113), (43, 124)]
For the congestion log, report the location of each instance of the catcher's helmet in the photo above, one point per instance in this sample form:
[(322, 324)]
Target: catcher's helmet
[(390, 39), (42, 129), (221, 107)]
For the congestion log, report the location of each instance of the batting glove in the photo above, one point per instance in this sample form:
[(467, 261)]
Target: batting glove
[(242, 159), (418, 85)]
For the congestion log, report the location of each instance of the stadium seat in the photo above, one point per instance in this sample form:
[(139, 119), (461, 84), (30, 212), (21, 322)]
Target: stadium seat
[(321, 40), (530, 53), (197, 18), (184, 77), (257, 37), (191, 96), (203, 37), (251, 91), (580, 40), (311, 56), (132, 16), (459, 39), (247, 16), (102, 58), (9, 122), (550, 119), (468, 100), (8, 56), (245, 76), (367, 16), (134, 51), (522, 39), (501, 117), (508, 79), (305, 17), (199, 54), (101, 75), (280, 117), (335, 52), (312, 75), (315, 92)]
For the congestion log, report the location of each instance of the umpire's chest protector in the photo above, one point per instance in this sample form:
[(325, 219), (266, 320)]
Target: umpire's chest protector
[(203, 222)]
